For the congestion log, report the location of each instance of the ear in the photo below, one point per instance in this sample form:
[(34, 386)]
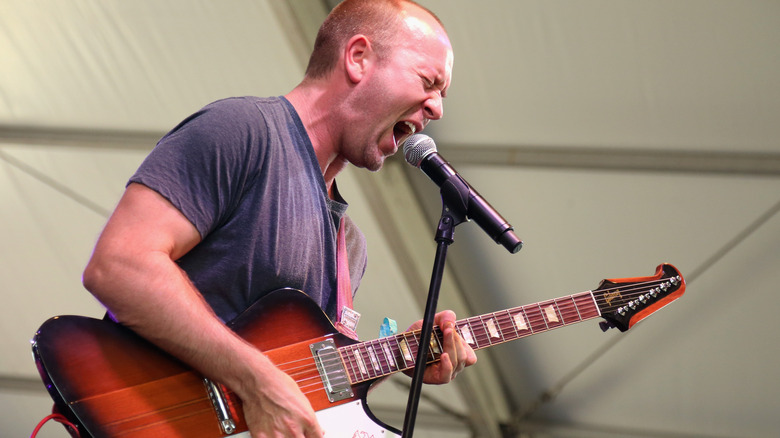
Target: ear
[(358, 55)]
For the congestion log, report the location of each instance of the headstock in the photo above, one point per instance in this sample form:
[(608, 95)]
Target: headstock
[(624, 302)]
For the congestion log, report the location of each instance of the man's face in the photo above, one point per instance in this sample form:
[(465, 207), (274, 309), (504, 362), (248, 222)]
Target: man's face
[(404, 90)]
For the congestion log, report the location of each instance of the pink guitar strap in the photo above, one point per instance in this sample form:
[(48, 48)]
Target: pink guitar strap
[(347, 317)]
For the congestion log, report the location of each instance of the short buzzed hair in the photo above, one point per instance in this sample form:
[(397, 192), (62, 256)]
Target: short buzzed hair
[(379, 20)]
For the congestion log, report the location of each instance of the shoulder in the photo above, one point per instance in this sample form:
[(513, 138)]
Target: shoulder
[(233, 120), (248, 106)]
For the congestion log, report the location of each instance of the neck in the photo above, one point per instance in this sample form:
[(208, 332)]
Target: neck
[(318, 112)]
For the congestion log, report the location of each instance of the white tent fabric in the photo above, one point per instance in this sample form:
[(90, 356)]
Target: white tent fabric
[(613, 135)]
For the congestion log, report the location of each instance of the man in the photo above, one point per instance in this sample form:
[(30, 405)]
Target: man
[(240, 199)]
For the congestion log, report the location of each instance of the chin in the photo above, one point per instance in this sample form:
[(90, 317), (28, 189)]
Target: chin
[(374, 161), (375, 165)]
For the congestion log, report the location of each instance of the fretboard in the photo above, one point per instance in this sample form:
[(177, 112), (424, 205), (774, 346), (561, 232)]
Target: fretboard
[(384, 356)]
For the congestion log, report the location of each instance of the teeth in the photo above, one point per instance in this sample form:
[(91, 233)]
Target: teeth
[(411, 127)]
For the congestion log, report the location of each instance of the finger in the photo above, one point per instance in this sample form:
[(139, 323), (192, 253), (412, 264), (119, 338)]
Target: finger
[(312, 428), (454, 346), (444, 317), (314, 433), (461, 348), (443, 370)]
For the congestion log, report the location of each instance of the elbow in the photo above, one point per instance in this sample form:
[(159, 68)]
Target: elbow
[(102, 277), (93, 277), (90, 277)]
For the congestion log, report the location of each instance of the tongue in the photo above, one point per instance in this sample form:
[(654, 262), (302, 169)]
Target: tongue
[(400, 130)]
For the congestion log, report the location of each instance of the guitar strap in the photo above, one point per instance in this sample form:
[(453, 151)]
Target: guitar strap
[(347, 317)]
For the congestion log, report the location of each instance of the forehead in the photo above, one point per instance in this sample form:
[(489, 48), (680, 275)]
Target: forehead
[(423, 34)]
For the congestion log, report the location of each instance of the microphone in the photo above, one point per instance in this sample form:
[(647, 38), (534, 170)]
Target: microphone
[(420, 151)]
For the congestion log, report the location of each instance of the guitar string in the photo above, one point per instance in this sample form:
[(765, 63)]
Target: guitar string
[(306, 389), (566, 307), (306, 374)]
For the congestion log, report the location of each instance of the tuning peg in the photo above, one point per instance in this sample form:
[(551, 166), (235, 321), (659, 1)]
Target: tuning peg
[(606, 325)]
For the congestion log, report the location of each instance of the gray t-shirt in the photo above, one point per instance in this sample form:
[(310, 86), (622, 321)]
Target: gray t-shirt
[(243, 171)]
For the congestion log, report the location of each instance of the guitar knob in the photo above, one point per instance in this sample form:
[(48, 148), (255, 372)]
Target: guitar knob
[(606, 325)]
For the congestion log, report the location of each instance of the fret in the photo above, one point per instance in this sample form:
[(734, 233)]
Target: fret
[(552, 315), (413, 341), (568, 309), (398, 353), (479, 331), (374, 360), (389, 358), (349, 363), (382, 351), (406, 351), (464, 330), (366, 361), (484, 329), (586, 305), (520, 319), (506, 326), (493, 329), (475, 332), (431, 344), (536, 321), (376, 347), (349, 358), (361, 366), (415, 346), (435, 347), (371, 360)]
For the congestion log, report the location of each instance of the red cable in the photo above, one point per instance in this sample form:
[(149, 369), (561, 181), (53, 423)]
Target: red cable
[(60, 419)]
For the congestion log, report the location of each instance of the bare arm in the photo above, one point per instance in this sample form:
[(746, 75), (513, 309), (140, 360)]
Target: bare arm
[(134, 274)]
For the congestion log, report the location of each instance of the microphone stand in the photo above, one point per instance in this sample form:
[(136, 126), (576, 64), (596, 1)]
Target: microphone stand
[(452, 194)]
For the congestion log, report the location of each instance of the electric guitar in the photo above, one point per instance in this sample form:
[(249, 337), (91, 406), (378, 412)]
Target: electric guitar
[(112, 383)]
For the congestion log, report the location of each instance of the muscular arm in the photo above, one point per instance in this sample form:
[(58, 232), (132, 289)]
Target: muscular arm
[(134, 274)]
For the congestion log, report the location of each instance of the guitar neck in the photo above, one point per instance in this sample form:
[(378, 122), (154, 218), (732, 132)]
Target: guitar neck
[(381, 357)]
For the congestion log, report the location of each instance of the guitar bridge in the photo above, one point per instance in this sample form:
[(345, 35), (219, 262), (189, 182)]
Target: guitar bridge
[(331, 369), (217, 398)]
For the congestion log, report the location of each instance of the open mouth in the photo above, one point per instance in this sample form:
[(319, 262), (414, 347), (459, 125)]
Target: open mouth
[(402, 131)]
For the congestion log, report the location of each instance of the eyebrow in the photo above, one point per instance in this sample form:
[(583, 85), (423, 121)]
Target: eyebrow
[(442, 86)]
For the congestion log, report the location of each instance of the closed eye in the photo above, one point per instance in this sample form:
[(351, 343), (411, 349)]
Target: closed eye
[(437, 85)]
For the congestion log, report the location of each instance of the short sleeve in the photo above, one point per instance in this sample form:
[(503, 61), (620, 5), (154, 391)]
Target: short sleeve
[(206, 162)]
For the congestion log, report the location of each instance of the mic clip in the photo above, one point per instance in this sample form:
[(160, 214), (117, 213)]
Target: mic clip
[(454, 208), (455, 198)]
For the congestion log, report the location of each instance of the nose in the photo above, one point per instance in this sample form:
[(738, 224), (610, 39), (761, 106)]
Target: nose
[(434, 106)]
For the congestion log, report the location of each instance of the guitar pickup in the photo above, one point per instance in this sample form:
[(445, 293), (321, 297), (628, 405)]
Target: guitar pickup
[(331, 370)]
